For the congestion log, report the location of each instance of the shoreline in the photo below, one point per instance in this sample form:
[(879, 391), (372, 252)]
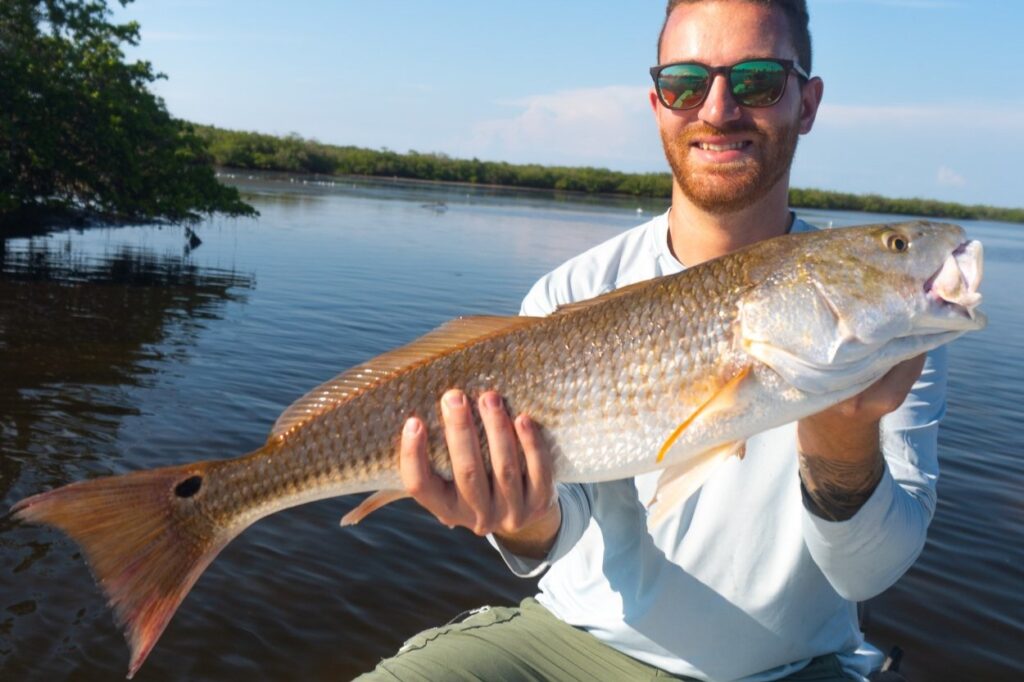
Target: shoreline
[(42, 222), (235, 173), (244, 151), (241, 173)]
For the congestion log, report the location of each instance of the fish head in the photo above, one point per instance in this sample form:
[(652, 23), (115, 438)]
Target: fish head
[(853, 302)]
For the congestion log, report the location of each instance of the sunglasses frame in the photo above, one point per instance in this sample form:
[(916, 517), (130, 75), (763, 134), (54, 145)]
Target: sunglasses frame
[(788, 65)]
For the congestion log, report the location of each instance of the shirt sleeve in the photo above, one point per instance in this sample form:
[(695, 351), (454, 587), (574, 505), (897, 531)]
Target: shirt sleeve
[(574, 499), (866, 554), (540, 301)]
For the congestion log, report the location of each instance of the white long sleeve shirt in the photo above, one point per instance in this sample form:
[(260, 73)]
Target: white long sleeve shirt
[(741, 582)]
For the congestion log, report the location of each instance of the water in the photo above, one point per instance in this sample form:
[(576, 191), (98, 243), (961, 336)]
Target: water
[(119, 351)]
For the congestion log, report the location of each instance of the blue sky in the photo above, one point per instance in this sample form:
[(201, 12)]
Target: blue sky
[(922, 97)]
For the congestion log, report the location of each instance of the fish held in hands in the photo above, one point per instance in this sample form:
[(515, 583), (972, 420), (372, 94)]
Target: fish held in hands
[(674, 373)]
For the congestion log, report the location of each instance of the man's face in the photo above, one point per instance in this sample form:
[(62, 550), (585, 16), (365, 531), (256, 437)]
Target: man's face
[(726, 157)]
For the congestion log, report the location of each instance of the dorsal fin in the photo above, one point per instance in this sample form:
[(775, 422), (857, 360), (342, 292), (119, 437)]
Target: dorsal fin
[(449, 337), (627, 290)]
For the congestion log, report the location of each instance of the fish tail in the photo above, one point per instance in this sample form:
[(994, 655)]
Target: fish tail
[(146, 538)]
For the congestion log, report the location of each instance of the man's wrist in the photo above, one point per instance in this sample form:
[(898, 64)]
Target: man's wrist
[(536, 540), (835, 490), (841, 464)]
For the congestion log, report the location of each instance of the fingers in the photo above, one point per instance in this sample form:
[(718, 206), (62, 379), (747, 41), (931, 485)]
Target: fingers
[(475, 508), (901, 378), (539, 476), (517, 489), (886, 394), (889, 392), (506, 472), (419, 480)]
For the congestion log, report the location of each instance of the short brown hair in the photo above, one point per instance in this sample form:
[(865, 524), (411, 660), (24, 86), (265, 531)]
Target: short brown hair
[(796, 17)]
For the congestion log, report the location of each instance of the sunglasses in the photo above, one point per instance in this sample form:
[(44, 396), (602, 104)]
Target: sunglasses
[(753, 83)]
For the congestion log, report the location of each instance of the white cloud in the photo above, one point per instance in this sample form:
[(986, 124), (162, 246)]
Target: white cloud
[(1005, 119), (947, 177), (965, 152), (588, 125)]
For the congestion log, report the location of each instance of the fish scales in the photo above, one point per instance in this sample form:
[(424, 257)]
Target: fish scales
[(582, 390), (672, 373)]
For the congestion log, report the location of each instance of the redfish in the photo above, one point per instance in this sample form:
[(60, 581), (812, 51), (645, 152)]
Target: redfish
[(673, 373)]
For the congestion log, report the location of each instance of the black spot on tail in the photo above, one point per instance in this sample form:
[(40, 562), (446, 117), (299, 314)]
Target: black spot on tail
[(189, 487)]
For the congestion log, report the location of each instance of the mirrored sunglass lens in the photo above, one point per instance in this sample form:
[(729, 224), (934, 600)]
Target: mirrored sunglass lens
[(757, 83), (682, 85)]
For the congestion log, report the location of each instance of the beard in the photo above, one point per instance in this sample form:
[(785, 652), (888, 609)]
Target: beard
[(734, 186)]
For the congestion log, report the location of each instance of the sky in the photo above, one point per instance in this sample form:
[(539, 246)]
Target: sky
[(923, 98)]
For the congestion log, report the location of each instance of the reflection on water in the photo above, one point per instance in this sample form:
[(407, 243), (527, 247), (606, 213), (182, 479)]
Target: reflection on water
[(119, 352), (80, 328), (75, 322)]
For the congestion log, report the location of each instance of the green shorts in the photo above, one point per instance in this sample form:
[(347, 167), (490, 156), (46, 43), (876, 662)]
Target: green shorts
[(499, 644)]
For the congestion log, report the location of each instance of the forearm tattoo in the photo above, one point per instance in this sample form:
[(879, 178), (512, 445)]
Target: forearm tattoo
[(836, 490)]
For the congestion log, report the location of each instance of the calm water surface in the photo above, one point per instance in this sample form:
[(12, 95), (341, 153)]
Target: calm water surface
[(120, 351)]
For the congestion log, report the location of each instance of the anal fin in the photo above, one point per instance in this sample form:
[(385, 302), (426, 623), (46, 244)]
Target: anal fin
[(372, 504), (678, 482)]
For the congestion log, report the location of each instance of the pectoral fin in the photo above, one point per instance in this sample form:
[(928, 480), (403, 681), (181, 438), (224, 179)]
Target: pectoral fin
[(372, 504), (677, 483), (723, 397)]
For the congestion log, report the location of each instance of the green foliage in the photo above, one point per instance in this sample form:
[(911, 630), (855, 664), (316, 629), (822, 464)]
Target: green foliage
[(873, 203), (80, 131), (293, 154)]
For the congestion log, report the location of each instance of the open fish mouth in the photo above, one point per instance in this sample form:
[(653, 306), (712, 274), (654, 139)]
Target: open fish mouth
[(954, 286)]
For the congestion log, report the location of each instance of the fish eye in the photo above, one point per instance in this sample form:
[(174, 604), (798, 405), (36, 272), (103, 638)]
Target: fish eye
[(896, 242)]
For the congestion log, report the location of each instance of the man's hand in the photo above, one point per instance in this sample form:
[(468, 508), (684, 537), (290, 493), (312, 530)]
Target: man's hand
[(841, 459), (518, 506)]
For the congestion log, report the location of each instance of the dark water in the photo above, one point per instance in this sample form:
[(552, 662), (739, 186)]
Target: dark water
[(119, 351)]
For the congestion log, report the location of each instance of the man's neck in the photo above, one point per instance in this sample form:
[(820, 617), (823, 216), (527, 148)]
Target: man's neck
[(696, 235)]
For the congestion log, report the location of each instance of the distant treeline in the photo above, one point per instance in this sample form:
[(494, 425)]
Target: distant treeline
[(295, 154), (873, 203)]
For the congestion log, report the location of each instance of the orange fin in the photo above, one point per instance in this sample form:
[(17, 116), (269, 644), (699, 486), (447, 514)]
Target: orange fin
[(723, 398), (372, 504), (677, 483), (449, 337), (143, 538)]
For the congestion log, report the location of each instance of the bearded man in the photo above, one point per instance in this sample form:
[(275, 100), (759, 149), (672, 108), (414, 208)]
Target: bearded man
[(757, 575)]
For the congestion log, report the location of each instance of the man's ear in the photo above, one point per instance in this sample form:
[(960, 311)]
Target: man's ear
[(810, 100), (653, 96)]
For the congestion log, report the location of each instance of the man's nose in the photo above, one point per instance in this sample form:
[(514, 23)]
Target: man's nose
[(719, 107)]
